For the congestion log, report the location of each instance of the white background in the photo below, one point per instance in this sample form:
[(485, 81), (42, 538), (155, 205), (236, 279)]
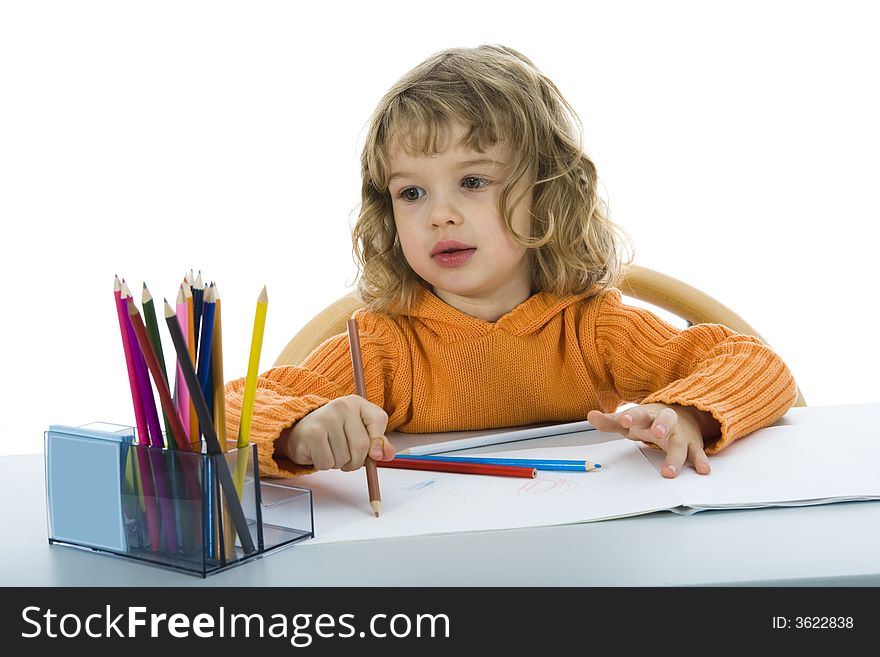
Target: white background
[(737, 143)]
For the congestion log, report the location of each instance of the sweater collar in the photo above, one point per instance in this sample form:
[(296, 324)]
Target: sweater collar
[(527, 317)]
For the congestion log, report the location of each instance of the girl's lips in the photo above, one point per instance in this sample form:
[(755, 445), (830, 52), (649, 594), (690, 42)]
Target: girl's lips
[(453, 258), (449, 245)]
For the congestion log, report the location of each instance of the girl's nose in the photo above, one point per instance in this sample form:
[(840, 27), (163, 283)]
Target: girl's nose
[(444, 213)]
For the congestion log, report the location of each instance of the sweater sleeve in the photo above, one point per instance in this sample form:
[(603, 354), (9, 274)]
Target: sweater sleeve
[(736, 378), (286, 394)]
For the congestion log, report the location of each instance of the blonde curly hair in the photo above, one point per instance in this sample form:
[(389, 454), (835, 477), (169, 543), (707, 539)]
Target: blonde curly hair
[(498, 95)]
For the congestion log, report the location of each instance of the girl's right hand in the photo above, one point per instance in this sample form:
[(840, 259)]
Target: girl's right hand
[(340, 434)]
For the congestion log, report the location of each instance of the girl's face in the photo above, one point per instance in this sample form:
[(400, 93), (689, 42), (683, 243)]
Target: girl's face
[(448, 218)]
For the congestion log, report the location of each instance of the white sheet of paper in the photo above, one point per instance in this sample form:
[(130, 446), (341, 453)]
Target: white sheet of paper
[(420, 502)]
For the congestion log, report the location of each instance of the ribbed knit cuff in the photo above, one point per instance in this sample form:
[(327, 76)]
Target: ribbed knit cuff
[(273, 413), (744, 393)]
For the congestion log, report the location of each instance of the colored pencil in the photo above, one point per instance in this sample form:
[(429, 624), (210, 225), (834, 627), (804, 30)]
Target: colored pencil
[(198, 292), (205, 347), (180, 476), (205, 308), (219, 395), (140, 418), (360, 387), (217, 371), (250, 386), (497, 437), (461, 468), (140, 368), (223, 475), (156, 342), (182, 397), (194, 434), (565, 465)]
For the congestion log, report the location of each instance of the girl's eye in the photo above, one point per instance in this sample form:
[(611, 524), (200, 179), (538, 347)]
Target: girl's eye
[(472, 182), (412, 193)]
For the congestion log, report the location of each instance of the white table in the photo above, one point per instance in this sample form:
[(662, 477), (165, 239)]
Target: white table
[(826, 545)]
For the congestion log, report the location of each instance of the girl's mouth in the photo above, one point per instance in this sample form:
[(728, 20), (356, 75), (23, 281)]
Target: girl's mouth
[(453, 257)]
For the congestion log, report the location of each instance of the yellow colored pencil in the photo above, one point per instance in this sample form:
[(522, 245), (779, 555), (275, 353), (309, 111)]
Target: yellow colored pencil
[(250, 387)]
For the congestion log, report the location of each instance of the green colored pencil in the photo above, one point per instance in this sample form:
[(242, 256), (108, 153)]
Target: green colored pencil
[(156, 341)]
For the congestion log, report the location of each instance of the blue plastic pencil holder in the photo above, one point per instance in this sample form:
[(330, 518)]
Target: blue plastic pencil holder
[(184, 510)]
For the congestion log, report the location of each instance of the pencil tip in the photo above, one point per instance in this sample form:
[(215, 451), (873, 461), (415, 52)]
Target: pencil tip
[(263, 296), (376, 506)]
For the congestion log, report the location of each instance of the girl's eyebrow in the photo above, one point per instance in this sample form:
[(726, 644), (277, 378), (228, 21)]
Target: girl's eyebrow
[(471, 163), (458, 165), (399, 174)]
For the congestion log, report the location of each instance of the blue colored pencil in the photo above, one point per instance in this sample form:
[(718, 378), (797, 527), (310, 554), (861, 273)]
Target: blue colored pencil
[(538, 464), (205, 346)]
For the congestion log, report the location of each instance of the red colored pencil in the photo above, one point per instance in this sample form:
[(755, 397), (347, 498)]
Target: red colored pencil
[(461, 468)]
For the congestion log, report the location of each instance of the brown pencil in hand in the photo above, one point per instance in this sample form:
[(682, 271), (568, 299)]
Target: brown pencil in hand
[(359, 386)]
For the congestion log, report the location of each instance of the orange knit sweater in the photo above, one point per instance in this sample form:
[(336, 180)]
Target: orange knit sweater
[(548, 359)]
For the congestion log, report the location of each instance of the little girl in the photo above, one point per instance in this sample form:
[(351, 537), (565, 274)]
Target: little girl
[(488, 267)]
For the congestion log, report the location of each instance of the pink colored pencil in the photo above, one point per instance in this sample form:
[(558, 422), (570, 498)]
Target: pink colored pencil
[(182, 392), (140, 418)]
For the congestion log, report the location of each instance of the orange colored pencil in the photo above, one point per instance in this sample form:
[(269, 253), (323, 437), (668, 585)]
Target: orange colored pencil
[(194, 435), (217, 372)]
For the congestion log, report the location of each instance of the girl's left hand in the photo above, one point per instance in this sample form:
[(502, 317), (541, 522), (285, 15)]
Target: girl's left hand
[(674, 429)]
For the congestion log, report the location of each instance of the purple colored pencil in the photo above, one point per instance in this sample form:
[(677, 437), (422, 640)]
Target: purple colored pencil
[(157, 460)]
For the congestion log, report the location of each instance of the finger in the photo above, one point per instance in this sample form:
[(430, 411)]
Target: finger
[(664, 424), (608, 422), (388, 450), (636, 418), (381, 449), (676, 456), (375, 422), (357, 443), (697, 456), (317, 447)]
